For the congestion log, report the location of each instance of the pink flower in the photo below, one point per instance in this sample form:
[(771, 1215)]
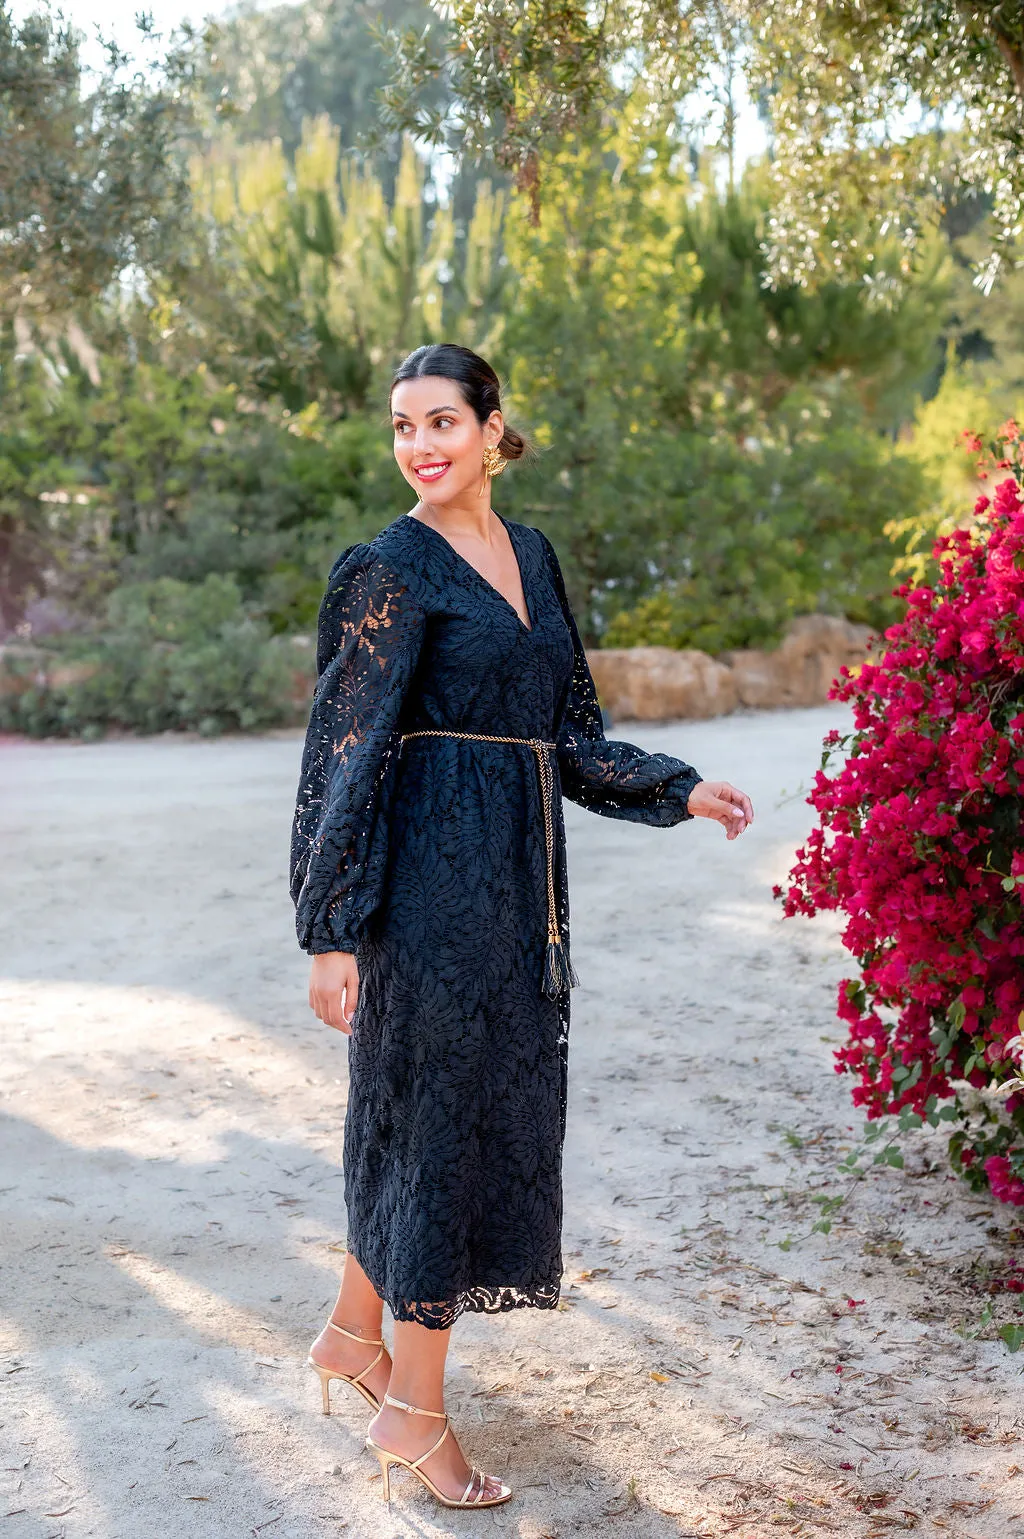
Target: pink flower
[(912, 830), (1005, 1185)]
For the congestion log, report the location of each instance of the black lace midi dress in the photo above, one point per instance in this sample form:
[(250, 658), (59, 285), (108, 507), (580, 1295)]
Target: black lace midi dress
[(428, 858)]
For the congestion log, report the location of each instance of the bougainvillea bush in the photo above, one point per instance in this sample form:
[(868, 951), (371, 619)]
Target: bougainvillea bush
[(919, 842)]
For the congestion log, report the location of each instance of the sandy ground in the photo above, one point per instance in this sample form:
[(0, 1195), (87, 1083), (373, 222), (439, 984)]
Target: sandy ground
[(172, 1215)]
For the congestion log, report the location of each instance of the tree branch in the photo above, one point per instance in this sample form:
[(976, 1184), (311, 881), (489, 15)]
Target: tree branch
[(1012, 52), (1014, 56)]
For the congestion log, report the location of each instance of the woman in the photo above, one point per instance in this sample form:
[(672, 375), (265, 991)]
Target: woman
[(454, 707)]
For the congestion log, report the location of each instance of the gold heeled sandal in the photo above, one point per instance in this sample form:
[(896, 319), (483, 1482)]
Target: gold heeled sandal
[(325, 1375), (472, 1496)]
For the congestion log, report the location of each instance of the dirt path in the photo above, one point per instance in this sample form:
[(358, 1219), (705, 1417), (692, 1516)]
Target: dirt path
[(172, 1209)]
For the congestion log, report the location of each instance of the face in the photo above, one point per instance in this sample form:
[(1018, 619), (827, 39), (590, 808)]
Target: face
[(439, 442)]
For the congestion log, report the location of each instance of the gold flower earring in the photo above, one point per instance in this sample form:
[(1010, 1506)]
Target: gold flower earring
[(494, 461)]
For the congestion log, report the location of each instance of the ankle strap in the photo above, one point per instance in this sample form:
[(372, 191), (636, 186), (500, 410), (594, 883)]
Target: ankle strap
[(419, 1411), (342, 1331)]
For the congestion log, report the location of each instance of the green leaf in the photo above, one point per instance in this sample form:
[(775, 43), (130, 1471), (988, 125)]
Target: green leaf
[(1013, 1335)]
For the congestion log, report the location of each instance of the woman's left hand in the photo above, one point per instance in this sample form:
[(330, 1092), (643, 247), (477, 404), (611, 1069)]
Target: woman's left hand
[(719, 800)]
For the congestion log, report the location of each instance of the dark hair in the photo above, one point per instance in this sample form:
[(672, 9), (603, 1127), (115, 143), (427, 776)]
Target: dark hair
[(475, 378)]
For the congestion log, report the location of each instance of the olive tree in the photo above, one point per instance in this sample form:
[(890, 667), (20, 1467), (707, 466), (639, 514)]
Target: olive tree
[(876, 109)]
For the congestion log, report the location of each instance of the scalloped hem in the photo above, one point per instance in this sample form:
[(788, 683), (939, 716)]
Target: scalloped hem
[(479, 1300)]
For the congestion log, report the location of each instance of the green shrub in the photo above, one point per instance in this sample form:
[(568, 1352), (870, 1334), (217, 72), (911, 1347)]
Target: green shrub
[(741, 541), (173, 656)]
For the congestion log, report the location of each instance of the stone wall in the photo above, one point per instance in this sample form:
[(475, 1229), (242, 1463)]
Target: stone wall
[(634, 683), (666, 683)]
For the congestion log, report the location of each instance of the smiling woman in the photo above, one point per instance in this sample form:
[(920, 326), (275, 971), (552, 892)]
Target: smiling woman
[(454, 709), (455, 448)]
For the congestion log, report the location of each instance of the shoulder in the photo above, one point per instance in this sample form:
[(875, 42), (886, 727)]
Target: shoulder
[(364, 594), (547, 551), (533, 538), (348, 563), (384, 564), (540, 540)]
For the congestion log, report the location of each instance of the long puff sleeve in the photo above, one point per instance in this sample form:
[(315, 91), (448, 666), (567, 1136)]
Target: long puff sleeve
[(615, 779), (369, 638)]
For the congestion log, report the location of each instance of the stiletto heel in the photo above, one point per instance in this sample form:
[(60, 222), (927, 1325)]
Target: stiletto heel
[(472, 1496), (325, 1375), (385, 1475)]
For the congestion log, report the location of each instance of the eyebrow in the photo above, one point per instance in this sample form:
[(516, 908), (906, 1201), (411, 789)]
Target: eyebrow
[(433, 412)]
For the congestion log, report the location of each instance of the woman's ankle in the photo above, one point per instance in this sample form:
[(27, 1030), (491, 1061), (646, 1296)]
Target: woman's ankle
[(418, 1396), (372, 1333)]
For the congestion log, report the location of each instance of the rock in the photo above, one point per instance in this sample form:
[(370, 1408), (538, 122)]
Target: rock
[(801, 669), (666, 684), (661, 683), (66, 675), (302, 666), (21, 667), (25, 667)]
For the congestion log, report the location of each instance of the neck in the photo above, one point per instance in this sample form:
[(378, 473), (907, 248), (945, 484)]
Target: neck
[(468, 514)]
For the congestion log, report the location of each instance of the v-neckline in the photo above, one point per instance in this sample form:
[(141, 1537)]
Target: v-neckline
[(527, 629)]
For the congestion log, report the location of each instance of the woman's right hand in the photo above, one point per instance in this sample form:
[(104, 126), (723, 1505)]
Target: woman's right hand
[(334, 974)]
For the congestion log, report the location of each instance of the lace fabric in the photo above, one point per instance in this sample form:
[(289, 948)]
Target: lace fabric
[(428, 862), (369, 636), (615, 779)]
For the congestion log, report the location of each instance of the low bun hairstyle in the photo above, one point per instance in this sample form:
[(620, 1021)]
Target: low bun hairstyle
[(475, 378)]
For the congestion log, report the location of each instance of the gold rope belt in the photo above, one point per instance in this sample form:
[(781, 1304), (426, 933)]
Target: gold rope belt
[(559, 975)]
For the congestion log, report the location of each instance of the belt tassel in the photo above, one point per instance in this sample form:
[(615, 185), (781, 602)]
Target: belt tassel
[(559, 973)]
